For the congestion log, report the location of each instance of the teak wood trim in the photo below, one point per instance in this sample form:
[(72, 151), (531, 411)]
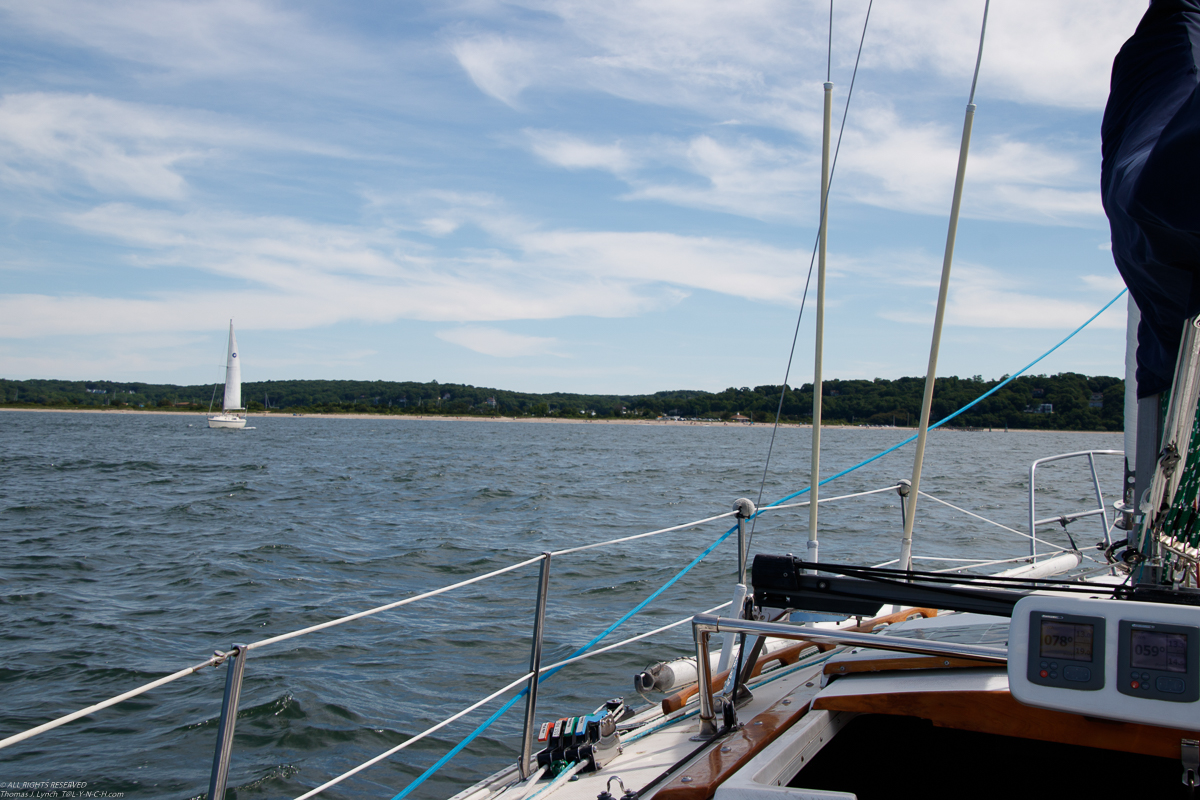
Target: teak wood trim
[(791, 654), (731, 753), (997, 712), (849, 667), (788, 655), (903, 615)]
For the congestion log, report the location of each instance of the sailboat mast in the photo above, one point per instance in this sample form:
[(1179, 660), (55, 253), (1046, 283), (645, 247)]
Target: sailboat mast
[(815, 470), (910, 508)]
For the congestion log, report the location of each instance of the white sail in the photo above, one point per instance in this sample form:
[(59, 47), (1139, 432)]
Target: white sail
[(233, 375)]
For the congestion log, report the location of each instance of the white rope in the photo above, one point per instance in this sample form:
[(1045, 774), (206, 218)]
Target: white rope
[(312, 629), (532, 783), (112, 701), (829, 499), (415, 739), (562, 778), (643, 535)]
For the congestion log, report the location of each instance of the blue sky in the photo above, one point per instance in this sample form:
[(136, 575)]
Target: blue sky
[(545, 196)]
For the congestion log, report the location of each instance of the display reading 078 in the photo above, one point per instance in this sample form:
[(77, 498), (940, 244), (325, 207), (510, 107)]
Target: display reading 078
[(1066, 640)]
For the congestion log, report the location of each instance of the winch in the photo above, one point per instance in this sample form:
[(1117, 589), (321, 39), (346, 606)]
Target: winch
[(591, 738)]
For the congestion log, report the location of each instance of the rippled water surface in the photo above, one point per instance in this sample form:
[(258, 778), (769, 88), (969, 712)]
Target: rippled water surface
[(132, 546)]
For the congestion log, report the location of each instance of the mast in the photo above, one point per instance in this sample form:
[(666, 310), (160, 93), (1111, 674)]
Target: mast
[(820, 332), (910, 508)]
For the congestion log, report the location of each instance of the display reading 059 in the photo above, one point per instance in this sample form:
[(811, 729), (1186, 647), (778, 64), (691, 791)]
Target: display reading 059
[(1158, 650), (1066, 640)]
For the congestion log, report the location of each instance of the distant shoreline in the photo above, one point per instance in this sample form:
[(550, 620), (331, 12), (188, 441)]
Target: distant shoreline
[(418, 417), (535, 420)]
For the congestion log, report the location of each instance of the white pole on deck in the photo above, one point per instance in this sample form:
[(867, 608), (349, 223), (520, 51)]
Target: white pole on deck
[(910, 508), (820, 333), (1133, 317)]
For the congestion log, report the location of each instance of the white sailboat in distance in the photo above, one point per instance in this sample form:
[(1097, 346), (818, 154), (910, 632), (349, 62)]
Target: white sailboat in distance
[(232, 403)]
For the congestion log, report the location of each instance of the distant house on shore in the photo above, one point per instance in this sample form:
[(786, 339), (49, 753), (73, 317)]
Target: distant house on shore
[(739, 418)]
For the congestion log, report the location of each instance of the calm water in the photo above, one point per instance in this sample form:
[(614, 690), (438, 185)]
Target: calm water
[(132, 546)]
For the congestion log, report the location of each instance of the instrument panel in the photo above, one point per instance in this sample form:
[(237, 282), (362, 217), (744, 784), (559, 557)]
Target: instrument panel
[(1115, 659)]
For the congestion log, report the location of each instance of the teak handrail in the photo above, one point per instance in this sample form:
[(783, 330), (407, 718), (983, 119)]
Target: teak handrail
[(791, 654)]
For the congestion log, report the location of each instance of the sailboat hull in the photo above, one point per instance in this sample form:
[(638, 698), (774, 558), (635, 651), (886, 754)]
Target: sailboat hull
[(226, 421)]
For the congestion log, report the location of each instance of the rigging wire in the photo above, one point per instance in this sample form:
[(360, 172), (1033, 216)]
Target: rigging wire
[(965, 408), (829, 47), (812, 259), (504, 708), (979, 55)]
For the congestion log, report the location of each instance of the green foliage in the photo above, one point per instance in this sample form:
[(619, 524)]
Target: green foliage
[(851, 402)]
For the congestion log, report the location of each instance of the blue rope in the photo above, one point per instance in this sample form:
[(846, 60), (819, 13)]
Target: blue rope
[(962, 410), (504, 708)]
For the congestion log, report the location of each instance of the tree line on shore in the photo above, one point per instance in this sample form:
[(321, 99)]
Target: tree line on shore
[(1067, 401)]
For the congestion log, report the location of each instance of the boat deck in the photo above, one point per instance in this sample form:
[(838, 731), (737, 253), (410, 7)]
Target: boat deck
[(797, 710)]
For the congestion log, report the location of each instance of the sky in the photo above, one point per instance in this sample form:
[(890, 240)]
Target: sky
[(596, 197)]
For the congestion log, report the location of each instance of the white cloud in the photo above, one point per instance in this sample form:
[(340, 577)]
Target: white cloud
[(692, 103), (499, 66), (1054, 54), (912, 168), (94, 356), (735, 174), (54, 141), (687, 53), (497, 342), (197, 38), (755, 62), (981, 298), (717, 57), (284, 273), (704, 55), (892, 266), (745, 176), (118, 148), (727, 266), (440, 226), (885, 163), (1110, 284), (568, 151)]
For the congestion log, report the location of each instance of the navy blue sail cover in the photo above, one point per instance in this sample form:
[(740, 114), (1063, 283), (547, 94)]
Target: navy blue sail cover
[(1150, 180)]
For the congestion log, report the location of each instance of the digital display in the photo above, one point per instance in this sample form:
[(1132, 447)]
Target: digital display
[(1067, 640), (1158, 650)]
